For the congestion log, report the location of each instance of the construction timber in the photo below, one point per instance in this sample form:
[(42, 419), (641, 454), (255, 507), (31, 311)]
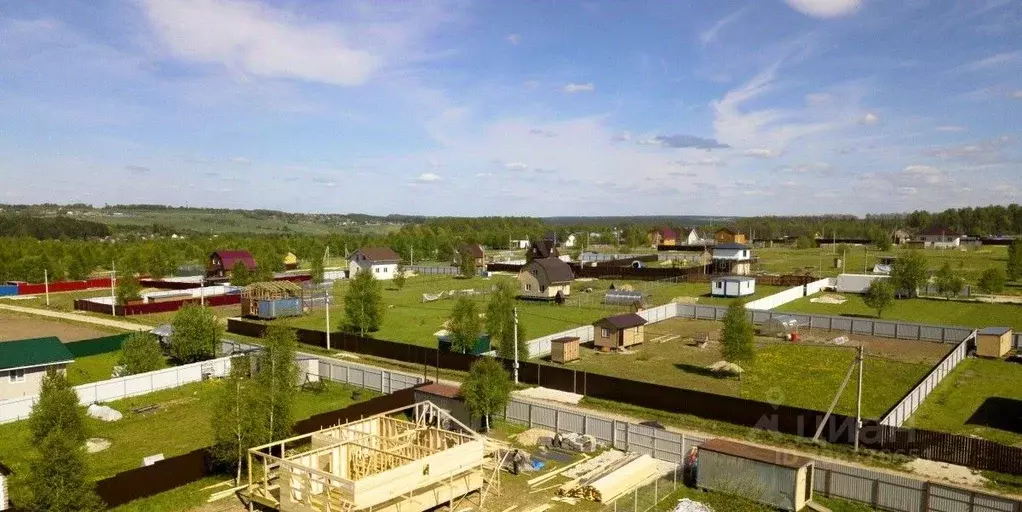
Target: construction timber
[(407, 460)]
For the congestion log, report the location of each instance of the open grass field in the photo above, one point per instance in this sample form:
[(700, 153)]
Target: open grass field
[(58, 301), (927, 311), (181, 424), (92, 368), (820, 260), (806, 374), (408, 319), (952, 405), (15, 326)]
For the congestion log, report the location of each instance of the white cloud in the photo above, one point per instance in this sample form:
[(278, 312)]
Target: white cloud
[(240, 160), (950, 128), (870, 118), (825, 8), (700, 162), (995, 61), (514, 38), (263, 40), (761, 153), (710, 35), (572, 88), (428, 177), (923, 174), (516, 166)]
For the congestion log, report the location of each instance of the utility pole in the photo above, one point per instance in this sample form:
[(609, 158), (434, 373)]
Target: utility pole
[(202, 290), (516, 346), (46, 284), (113, 283), (858, 403), (328, 297)]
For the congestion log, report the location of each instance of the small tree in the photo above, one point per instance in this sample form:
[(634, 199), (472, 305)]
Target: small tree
[(949, 281), (992, 280), (881, 240), (363, 304), (487, 389), (196, 332), (277, 381), (500, 320), (1014, 267), (316, 271), (141, 353), (805, 242), (400, 280), (738, 336), (909, 273), (241, 275), (236, 426), (879, 296), (465, 326), (57, 409), (58, 476), (466, 263), (128, 288)]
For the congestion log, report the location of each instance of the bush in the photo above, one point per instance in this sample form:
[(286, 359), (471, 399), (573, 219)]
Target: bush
[(196, 333), (141, 354), (992, 280)]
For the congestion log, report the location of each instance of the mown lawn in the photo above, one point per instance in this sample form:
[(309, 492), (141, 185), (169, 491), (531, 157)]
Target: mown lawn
[(182, 423), (951, 405), (408, 319), (806, 374), (63, 301), (927, 311)]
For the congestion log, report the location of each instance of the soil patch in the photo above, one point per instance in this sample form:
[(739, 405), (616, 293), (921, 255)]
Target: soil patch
[(19, 327)]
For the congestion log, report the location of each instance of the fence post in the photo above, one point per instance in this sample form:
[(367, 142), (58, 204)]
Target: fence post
[(613, 434), (530, 415), (347, 375), (557, 421)]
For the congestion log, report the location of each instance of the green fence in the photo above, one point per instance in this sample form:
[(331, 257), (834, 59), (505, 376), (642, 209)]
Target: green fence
[(97, 345)]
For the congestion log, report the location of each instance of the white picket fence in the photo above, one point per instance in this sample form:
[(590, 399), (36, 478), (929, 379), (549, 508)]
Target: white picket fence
[(915, 397), (15, 409)]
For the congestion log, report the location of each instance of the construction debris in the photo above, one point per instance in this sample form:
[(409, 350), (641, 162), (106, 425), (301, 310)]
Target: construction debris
[(219, 495), (595, 464), (607, 487), (687, 505), (547, 477), (578, 442), (102, 412)]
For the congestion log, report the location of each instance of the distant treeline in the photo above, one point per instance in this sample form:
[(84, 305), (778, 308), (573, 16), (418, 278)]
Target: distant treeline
[(50, 227)]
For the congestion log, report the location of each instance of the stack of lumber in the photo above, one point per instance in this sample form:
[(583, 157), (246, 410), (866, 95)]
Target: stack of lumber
[(606, 484)]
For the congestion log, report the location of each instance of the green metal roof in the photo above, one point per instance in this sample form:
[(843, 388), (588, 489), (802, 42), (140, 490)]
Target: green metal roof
[(33, 352)]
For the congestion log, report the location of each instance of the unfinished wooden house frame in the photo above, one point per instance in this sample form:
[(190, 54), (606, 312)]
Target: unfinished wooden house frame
[(383, 463)]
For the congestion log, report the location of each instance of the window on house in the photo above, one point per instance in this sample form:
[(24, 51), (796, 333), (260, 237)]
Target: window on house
[(376, 269), (16, 375), (528, 287), (605, 332), (542, 289), (385, 270), (720, 284)]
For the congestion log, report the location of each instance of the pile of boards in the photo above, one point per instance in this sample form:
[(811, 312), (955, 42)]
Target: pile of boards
[(602, 479)]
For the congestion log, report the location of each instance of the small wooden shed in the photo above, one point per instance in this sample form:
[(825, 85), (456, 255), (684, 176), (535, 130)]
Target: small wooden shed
[(564, 349), (993, 342), (776, 478), (619, 331)]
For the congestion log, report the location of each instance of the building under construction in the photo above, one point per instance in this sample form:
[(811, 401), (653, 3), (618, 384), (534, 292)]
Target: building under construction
[(407, 460)]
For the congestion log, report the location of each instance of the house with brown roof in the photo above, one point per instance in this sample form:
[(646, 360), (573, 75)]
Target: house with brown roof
[(474, 251), (729, 236), (619, 331), (662, 236), (545, 279), (941, 238), (542, 249), (381, 262), (221, 263)]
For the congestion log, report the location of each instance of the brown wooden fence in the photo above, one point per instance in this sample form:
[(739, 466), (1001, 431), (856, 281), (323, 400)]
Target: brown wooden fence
[(939, 446), (195, 465)]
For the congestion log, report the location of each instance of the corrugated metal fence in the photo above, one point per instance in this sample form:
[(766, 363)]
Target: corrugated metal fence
[(878, 489), (914, 398)]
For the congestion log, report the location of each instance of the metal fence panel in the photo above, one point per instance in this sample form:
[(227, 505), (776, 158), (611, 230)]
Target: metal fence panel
[(885, 329)]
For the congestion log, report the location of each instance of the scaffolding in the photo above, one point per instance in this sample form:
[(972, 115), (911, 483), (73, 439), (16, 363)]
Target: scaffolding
[(407, 460)]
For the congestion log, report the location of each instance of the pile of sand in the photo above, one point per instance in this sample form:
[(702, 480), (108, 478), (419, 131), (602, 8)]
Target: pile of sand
[(96, 444), (531, 437), (829, 299), (685, 300), (942, 471)]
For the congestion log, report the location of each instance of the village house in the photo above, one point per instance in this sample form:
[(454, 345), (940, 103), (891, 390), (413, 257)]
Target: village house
[(381, 262), (290, 261), (732, 286), (662, 236), (542, 249), (689, 236), (221, 263), (733, 259), (475, 251), (24, 363), (619, 331), (545, 279), (728, 236), (941, 238)]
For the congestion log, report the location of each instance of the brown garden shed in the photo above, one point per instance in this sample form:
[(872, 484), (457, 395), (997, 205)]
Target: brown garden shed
[(564, 349), (619, 331), (993, 342)]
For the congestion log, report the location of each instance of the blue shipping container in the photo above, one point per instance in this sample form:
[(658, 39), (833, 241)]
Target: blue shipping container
[(280, 308), (8, 289)]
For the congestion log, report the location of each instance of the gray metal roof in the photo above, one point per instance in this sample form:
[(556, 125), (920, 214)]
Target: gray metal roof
[(995, 331), (733, 279)]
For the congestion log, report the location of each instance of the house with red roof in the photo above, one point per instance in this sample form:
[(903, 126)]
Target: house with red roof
[(221, 263)]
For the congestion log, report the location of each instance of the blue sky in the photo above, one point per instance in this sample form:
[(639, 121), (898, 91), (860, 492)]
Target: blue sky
[(461, 107)]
